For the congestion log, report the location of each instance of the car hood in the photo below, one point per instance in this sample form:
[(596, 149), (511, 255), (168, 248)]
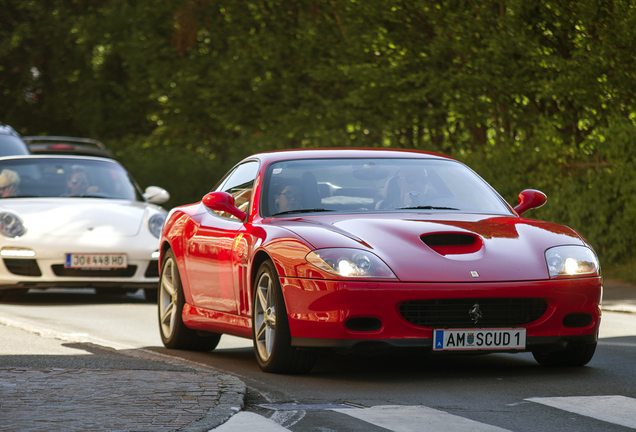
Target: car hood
[(72, 217), (508, 248)]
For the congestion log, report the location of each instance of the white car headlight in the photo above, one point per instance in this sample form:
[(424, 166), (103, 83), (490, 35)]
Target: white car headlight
[(350, 263), (11, 225), (155, 224), (571, 261)]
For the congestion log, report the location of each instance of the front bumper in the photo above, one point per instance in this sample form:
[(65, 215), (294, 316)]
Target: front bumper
[(46, 273), (320, 312)]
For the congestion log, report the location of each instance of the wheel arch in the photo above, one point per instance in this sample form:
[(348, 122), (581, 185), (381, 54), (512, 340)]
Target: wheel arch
[(260, 257)]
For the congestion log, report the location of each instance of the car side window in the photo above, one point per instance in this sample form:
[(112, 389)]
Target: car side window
[(239, 184)]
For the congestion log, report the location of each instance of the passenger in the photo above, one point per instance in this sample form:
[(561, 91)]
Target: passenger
[(289, 199), (9, 183)]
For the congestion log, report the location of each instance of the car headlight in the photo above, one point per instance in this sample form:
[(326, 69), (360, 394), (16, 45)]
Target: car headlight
[(11, 225), (350, 263), (571, 261), (155, 224)]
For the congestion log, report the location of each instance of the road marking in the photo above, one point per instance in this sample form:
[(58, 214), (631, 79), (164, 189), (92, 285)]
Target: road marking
[(619, 410), (248, 421), (417, 419)]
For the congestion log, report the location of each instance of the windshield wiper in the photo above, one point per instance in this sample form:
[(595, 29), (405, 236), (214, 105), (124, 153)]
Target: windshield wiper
[(427, 208), (302, 211)]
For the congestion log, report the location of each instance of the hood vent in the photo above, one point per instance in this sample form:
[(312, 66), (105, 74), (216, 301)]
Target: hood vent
[(453, 243)]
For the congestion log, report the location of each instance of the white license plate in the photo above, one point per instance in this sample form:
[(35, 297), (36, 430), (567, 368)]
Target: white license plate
[(96, 261), (479, 339)]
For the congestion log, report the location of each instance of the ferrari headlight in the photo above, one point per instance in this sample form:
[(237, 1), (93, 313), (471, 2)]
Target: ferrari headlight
[(571, 261), (155, 224), (350, 263), (11, 225)]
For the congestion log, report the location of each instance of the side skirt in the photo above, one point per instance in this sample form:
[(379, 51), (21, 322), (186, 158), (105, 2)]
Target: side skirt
[(216, 322)]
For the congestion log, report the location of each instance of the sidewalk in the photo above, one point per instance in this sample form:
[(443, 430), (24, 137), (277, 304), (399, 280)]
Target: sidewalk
[(47, 384), (51, 385), (619, 297)]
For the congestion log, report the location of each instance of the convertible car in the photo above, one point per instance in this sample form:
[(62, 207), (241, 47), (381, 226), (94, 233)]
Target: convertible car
[(73, 221), (361, 249)]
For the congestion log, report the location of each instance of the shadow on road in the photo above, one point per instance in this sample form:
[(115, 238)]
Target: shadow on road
[(80, 296)]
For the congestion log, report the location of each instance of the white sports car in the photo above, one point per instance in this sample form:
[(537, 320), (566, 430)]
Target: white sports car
[(75, 221)]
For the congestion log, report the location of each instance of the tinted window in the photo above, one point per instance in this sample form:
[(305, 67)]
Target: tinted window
[(239, 184), (12, 146)]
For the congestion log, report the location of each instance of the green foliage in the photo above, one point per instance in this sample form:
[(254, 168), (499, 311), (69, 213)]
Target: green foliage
[(531, 94)]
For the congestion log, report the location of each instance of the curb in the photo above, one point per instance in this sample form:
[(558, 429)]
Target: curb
[(232, 401), (232, 391), (620, 308)]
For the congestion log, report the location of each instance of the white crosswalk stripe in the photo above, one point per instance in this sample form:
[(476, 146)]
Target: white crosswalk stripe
[(417, 419), (619, 410), (247, 421)]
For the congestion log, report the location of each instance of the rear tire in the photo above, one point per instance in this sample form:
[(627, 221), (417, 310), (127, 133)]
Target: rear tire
[(270, 328), (574, 356), (174, 333)]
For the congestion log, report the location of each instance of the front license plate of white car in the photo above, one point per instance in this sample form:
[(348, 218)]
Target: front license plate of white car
[(479, 339), (96, 261)]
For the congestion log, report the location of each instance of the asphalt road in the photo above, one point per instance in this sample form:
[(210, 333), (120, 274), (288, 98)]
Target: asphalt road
[(501, 390)]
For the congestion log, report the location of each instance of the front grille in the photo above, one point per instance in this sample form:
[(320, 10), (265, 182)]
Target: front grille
[(22, 267), (60, 270), (454, 313), (153, 269)]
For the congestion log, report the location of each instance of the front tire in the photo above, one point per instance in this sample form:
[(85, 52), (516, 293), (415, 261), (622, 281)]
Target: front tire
[(270, 328), (174, 333), (573, 356)]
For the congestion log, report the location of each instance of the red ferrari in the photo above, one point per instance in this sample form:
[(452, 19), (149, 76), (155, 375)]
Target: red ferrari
[(362, 249)]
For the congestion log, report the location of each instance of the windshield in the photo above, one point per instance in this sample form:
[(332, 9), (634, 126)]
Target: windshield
[(371, 185), (65, 177)]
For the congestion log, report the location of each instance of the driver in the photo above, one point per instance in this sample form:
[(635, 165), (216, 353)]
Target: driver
[(78, 184), (412, 183)]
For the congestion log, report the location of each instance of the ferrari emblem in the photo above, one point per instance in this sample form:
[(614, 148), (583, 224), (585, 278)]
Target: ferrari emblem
[(473, 273), (475, 313)]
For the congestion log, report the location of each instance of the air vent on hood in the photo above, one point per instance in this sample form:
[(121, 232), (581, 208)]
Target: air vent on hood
[(452, 243)]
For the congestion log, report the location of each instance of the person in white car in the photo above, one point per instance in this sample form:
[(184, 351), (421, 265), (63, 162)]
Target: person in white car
[(9, 183)]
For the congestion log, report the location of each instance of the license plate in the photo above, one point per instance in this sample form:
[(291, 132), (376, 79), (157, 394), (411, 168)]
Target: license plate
[(96, 261), (479, 339)]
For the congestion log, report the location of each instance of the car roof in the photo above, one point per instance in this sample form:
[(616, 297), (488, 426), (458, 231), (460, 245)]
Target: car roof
[(66, 146), (11, 143), (345, 153), (57, 156), (8, 130)]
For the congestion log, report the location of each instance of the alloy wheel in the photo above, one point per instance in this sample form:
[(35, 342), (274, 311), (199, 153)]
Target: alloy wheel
[(265, 310), (167, 298)]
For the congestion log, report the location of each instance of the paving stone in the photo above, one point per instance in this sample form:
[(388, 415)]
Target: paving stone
[(55, 399)]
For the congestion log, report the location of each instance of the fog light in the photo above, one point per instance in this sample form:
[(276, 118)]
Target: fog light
[(16, 252), (577, 320), (363, 324)]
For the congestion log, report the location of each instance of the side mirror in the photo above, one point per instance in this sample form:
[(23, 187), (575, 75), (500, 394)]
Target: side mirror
[(530, 199), (223, 201), (156, 195)]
